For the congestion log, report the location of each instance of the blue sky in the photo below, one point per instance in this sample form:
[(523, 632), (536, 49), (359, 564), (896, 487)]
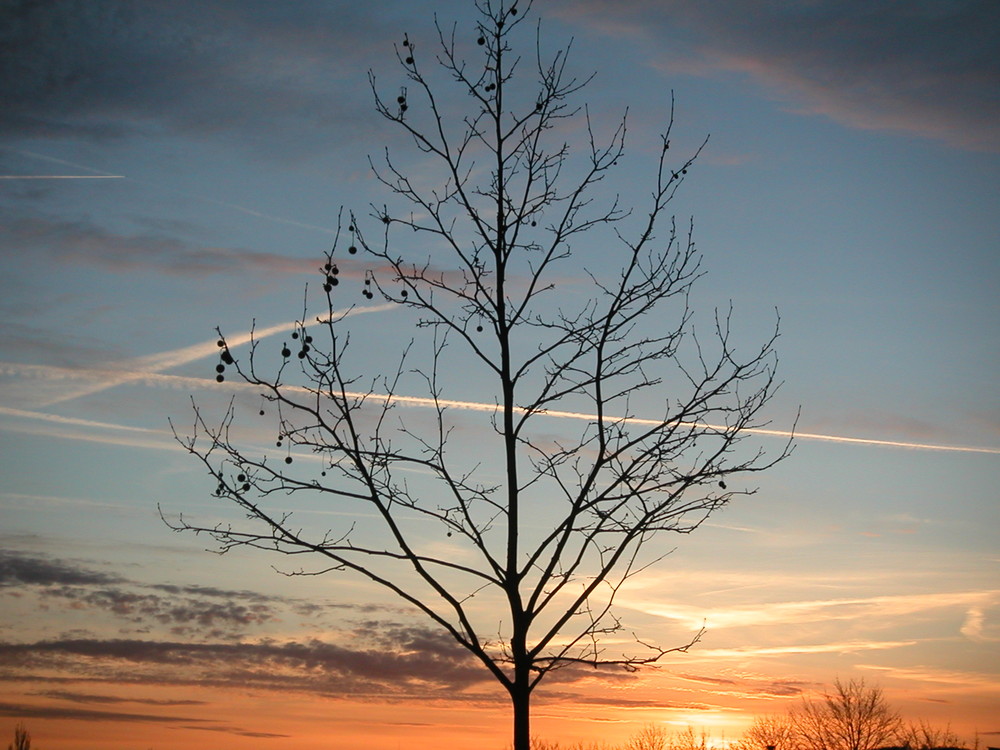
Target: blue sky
[(170, 168)]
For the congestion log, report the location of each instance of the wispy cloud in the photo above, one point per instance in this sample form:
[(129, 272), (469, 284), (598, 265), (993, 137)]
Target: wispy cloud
[(83, 242), (28, 711), (841, 647), (964, 681), (67, 695), (874, 608), (32, 711), (890, 67)]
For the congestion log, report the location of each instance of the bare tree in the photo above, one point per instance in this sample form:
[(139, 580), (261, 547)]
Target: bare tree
[(542, 527), (649, 737), (768, 732), (855, 716), (920, 735)]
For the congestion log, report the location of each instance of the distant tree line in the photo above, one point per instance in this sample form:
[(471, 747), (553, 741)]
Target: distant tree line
[(853, 716)]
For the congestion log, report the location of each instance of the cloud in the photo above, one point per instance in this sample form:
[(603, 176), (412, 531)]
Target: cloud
[(28, 711), (17, 569), (197, 612), (192, 610), (875, 608), (67, 695), (83, 243), (197, 635), (842, 647), (189, 616), (25, 711), (747, 687), (967, 681), (110, 69), (981, 622), (427, 664), (923, 68), (240, 732)]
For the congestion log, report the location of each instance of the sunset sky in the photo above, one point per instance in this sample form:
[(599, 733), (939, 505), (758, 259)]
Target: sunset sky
[(166, 168)]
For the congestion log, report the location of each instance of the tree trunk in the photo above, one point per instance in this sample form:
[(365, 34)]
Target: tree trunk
[(520, 697)]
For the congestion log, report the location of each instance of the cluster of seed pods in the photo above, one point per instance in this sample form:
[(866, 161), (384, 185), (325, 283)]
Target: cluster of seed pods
[(225, 358)]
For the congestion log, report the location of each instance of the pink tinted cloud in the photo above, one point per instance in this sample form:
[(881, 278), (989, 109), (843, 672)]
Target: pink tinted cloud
[(924, 69)]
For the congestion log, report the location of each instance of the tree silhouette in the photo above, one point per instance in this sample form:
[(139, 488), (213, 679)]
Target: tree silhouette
[(22, 739), (537, 530), (854, 716), (769, 732)]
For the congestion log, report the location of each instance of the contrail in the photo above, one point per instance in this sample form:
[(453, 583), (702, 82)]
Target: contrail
[(54, 160), (136, 369), (152, 377), (98, 174), (45, 417), (150, 368), (61, 177), (479, 406)]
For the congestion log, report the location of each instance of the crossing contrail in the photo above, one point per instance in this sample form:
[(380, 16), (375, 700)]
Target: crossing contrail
[(150, 369), (120, 373)]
